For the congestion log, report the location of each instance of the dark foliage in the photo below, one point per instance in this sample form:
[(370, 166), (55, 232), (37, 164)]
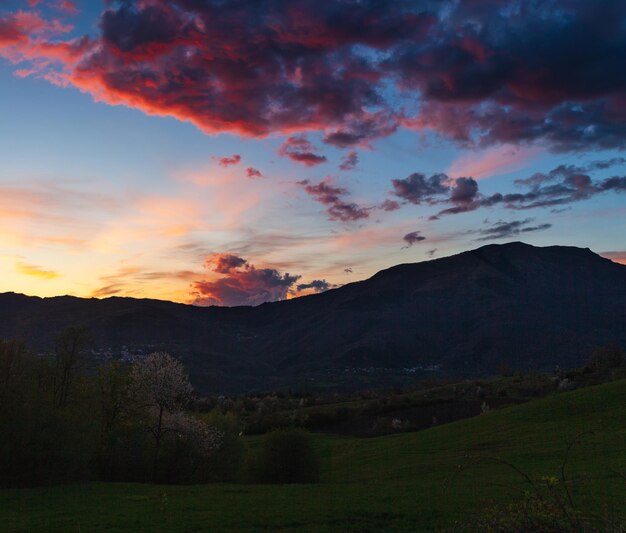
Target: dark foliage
[(285, 456), (547, 504), (61, 424), (606, 358)]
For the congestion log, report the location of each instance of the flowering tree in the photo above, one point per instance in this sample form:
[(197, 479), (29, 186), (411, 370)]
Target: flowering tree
[(205, 437), (160, 386)]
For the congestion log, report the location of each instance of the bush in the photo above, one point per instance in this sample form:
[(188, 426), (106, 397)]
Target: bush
[(126, 454), (285, 456), (188, 450), (530, 515), (225, 462), (548, 506), (606, 357)]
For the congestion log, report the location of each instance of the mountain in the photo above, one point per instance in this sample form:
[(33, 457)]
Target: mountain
[(511, 305)]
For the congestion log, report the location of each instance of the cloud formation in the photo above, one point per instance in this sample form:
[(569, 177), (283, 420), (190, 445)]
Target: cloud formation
[(505, 230), (299, 149), (107, 291), (389, 205), (241, 283), (562, 185), (500, 159), (349, 161), (65, 5), (417, 188), (136, 281), (331, 196), (252, 172), (480, 73), (317, 286), (35, 271), (413, 238), (225, 263), (235, 159)]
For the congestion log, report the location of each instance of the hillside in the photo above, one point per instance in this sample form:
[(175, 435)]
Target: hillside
[(468, 314), (406, 482)]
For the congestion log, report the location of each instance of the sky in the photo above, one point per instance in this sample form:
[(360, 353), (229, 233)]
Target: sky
[(231, 152)]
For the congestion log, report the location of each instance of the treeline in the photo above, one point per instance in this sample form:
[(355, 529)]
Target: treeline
[(379, 412), (60, 423)]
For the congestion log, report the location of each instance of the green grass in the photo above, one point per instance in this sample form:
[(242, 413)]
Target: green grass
[(404, 482)]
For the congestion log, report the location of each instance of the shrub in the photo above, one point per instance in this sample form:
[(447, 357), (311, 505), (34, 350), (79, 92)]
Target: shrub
[(188, 450), (285, 456), (606, 357), (225, 462), (547, 506), (529, 515)]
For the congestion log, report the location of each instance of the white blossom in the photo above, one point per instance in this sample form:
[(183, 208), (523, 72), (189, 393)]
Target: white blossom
[(160, 381)]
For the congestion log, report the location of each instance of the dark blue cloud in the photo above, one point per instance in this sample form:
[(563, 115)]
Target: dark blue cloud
[(478, 72)]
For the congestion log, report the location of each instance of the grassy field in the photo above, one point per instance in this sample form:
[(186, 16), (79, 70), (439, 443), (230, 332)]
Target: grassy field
[(404, 482)]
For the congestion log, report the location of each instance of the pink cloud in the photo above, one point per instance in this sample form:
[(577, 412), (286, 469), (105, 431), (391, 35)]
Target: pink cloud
[(67, 6), (229, 161), (299, 149), (241, 283), (349, 161), (253, 173), (493, 161), (350, 70)]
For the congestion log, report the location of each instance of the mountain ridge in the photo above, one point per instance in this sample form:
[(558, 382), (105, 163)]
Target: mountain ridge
[(512, 305), (375, 275)]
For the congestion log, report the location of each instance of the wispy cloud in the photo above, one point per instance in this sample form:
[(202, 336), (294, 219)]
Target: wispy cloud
[(51, 214), (35, 271), (492, 161), (349, 161), (513, 228)]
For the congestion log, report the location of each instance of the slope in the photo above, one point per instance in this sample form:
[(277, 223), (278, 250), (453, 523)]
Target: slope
[(408, 482)]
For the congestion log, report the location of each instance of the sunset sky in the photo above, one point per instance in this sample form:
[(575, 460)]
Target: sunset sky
[(233, 152)]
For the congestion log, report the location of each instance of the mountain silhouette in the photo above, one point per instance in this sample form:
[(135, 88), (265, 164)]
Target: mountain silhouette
[(513, 304)]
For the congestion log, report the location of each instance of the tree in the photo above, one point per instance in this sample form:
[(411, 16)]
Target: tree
[(112, 382), (188, 449), (606, 357), (160, 386), (70, 347), (14, 360), (43, 439), (111, 385)]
